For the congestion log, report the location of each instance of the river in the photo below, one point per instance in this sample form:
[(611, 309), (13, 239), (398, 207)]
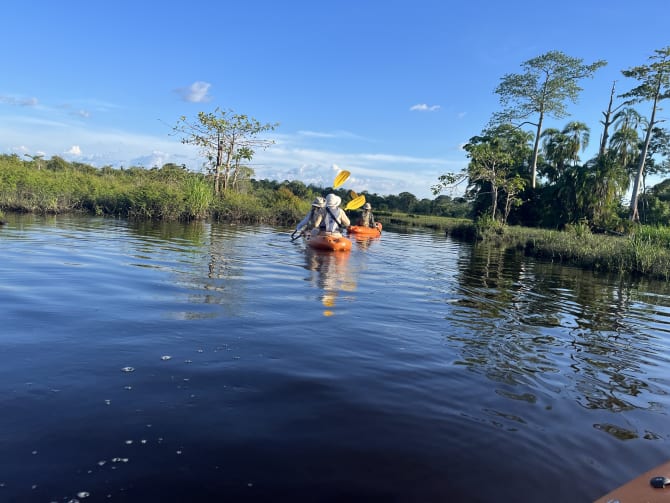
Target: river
[(217, 362)]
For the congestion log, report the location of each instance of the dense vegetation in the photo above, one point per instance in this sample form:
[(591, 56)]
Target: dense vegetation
[(536, 178), (174, 193)]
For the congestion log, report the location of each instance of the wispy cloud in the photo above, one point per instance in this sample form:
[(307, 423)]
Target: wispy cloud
[(316, 134), (23, 102), (196, 92), (74, 150), (422, 107), (330, 134)]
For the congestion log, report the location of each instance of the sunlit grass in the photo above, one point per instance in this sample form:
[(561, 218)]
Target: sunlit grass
[(644, 252)]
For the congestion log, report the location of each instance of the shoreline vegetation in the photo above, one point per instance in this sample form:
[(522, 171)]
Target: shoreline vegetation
[(645, 251), (174, 193)]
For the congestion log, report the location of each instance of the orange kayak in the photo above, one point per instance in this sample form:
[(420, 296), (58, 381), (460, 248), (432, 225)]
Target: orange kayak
[(328, 242), (650, 487), (361, 230)]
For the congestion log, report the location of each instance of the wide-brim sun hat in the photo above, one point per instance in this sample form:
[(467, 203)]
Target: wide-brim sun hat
[(333, 200)]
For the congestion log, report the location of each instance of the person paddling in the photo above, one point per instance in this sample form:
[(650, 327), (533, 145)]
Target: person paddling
[(333, 219), (309, 222), (367, 219)]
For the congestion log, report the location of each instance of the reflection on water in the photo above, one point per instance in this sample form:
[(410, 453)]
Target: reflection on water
[(364, 242), (331, 273), (202, 362), (541, 329)]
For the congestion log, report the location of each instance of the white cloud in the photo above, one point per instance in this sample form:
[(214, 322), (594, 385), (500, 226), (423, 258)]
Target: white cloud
[(24, 102), (74, 150), (422, 107), (196, 92), (373, 172), (157, 158)]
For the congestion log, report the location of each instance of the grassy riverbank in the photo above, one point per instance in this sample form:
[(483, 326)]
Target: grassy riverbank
[(172, 193), (645, 251), (169, 193)]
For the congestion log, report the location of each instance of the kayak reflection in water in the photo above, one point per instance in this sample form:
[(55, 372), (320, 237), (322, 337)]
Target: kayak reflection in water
[(332, 274)]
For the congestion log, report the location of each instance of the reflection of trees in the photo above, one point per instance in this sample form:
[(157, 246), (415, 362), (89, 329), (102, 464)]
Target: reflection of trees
[(524, 323), (224, 269), (192, 233), (179, 244), (330, 272)]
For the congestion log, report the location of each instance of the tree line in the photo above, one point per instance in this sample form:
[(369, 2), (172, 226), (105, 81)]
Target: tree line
[(535, 177)]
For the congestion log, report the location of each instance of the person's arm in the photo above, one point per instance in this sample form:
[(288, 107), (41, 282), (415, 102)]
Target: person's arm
[(303, 222), (344, 219)]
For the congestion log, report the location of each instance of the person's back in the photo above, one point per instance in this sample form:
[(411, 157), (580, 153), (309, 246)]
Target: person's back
[(334, 218)]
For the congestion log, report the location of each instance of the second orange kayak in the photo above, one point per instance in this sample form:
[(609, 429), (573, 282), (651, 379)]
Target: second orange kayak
[(361, 230)]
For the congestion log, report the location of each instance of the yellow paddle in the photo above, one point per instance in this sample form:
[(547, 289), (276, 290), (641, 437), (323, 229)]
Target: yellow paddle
[(341, 178), (355, 203)]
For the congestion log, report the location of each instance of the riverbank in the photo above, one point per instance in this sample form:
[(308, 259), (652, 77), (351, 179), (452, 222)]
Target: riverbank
[(645, 251), (172, 193)]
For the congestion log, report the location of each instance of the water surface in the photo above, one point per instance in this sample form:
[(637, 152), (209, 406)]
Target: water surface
[(215, 362)]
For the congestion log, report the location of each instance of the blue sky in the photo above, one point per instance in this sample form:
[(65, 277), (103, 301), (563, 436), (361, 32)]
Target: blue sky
[(389, 90)]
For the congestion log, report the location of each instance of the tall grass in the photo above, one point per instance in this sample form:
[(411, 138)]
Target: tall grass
[(136, 193), (638, 253), (198, 198)]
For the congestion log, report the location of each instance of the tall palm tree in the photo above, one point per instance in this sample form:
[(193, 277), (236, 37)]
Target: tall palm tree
[(625, 146), (562, 147), (577, 136), (555, 152), (628, 118)]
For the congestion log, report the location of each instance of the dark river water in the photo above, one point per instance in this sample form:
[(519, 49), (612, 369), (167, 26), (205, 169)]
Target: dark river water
[(213, 362)]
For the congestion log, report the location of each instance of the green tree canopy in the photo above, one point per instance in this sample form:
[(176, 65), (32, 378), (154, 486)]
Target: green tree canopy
[(654, 86), (227, 140), (542, 90)]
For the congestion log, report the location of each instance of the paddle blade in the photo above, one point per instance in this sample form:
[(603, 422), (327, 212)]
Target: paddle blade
[(356, 203), (353, 194), (341, 178)]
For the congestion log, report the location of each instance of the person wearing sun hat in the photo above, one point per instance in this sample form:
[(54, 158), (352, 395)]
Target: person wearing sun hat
[(367, 219), (309, 222), (333, 219)]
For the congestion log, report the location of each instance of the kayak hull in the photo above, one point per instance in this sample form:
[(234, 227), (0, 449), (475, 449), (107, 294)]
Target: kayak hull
[(361, 230), (328, 242), (640, 489)]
